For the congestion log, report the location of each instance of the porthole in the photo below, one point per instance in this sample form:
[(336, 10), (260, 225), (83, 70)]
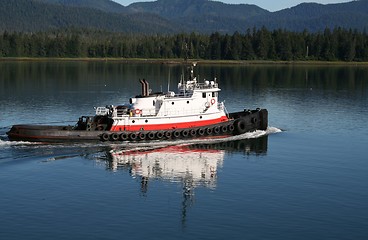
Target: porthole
[(172, 103), (146, 121), (133, 121), (187, 102)]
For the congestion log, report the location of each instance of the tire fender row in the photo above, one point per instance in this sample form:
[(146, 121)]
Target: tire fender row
[(169, 134), (237, 127)]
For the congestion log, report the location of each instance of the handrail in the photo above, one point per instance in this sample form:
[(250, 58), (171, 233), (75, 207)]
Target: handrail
[(102, 111), (193, 86)]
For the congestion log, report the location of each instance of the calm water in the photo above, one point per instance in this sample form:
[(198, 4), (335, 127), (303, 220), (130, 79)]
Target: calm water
[(306, 177)]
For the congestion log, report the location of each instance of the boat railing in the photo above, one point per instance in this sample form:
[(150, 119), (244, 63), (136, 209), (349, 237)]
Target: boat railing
[(200, 110), (180, 112), (102, 111), (193, 86), (171, 112), (206, 85), (221, 105), (183, 95), (149, 112)]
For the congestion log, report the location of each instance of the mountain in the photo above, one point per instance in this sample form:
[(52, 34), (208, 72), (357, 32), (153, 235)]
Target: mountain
[(201, 15), (173, 16), (44, 15), (210, 16), (316, 17), (103, 5), (179, 9)]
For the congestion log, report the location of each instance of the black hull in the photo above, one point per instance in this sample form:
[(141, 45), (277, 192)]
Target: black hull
[(241, 122)]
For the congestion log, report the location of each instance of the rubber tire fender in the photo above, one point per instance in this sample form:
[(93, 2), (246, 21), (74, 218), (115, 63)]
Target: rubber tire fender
[(209, 131), (142, 136), (201, 132), (185, 133), (151, 135), (176, 134), (124, 136), (159, 135), (168, 134), (224, 128), (133, 136), (114, 136), (240, 126), (231, 127), (105, 137), (193, 132)]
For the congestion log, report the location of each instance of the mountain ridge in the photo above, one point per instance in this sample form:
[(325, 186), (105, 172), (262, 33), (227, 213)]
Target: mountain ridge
[(174, 16), (35, 16), (104, 5), (191, 8)]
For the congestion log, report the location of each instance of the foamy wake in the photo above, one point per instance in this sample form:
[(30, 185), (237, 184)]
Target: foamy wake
[(164, 143), (6, 143)]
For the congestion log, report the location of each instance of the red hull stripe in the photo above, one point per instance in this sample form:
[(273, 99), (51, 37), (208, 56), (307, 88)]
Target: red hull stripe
[(157, 127)]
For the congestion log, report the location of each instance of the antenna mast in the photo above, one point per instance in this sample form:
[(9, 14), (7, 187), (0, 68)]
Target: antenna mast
[(168, 82)]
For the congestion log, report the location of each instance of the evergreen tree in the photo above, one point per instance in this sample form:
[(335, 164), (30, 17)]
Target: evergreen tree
[(338, 44), (215, 46)]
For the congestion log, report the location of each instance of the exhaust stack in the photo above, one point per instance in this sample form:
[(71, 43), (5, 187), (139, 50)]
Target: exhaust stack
[(144, 87)]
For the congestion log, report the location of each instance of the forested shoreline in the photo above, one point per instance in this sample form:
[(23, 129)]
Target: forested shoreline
[(255, 44)]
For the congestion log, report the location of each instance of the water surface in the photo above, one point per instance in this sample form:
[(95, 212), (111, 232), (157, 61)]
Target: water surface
[(304, 178)]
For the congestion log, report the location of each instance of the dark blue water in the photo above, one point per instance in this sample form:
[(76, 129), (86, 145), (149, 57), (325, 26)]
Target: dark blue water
[(306, 177)]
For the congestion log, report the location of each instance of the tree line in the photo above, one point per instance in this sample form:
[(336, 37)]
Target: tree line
[(255, 44)]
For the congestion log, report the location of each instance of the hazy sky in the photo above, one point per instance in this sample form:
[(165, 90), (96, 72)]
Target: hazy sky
[(271, 5)]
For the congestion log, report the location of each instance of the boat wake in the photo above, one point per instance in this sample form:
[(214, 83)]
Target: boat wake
[(141, 146)]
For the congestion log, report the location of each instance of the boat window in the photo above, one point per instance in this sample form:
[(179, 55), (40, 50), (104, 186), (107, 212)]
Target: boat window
[(213, 94), (204, 95), (154, 102)]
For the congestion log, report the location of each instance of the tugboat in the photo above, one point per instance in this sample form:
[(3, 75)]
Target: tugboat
[(194, 111)]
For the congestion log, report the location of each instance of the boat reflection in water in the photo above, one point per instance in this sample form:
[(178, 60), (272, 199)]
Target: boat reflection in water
[(192, 165)]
